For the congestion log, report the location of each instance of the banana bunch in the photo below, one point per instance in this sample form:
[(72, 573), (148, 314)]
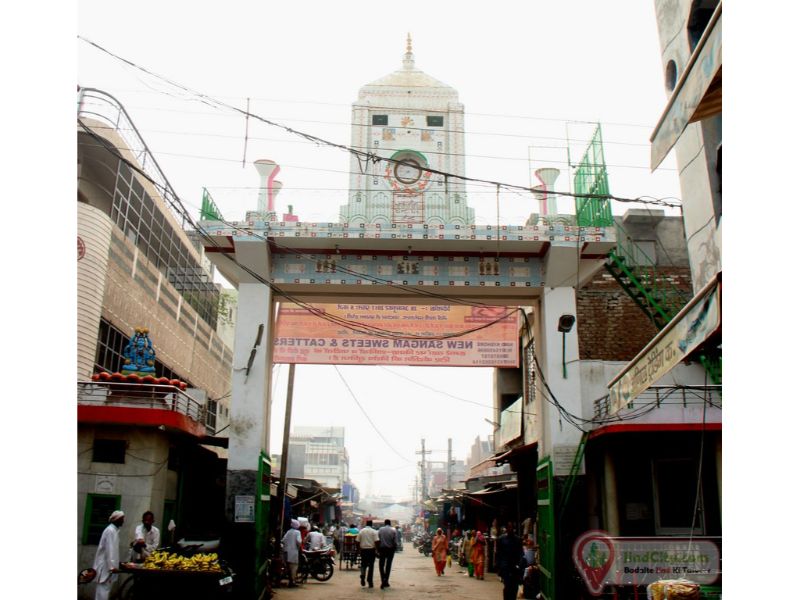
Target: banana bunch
[(174, 562)]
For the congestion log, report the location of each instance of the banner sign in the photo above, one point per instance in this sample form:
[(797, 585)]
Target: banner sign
[(603, 560), (690, 328), (302, 337), (510, 423)]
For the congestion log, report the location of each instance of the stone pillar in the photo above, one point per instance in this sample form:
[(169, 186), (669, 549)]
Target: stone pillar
[(249, 428), (610, 503)]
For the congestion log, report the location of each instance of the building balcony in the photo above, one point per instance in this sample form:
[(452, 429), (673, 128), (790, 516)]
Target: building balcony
[(662, 408), (143, 405)]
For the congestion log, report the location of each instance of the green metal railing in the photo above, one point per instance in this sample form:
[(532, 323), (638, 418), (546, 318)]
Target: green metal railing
[(628, 263), (636, 272), (591, 179)]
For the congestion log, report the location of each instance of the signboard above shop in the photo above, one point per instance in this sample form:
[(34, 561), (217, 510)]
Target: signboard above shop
[(393, 334), (691, 327)]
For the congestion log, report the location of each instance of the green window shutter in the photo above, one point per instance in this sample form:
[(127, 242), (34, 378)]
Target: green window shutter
[(98, 508)]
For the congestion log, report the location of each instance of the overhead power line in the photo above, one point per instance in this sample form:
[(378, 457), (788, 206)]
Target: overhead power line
[(363, 157)]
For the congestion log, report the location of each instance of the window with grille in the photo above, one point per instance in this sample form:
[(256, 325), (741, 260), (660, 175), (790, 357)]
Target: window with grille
[(433, 121), (109, 355), (98, 508), (380, 119), (136, 213)]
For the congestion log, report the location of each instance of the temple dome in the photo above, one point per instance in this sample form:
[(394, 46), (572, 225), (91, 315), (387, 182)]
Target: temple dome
[(407, 77)]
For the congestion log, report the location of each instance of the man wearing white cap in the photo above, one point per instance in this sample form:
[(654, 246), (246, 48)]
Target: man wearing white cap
[(106, 560), (292, 542)]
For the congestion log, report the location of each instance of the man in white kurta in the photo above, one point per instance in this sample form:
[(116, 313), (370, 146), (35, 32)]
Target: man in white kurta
[(106, 560), (292, 542), (146, 538)]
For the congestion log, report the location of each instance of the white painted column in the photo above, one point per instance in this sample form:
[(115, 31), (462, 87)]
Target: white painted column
[(250, 391), (567, 391)]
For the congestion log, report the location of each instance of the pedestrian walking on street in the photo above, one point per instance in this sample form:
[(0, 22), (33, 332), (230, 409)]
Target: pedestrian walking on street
[(509, 555), (367, 540), (387, 545), (477, 555), (292, 542), (439, 550), (106, 559), (466, 552)]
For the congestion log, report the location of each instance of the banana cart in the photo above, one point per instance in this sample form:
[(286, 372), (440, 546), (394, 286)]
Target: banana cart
[(157, 584)]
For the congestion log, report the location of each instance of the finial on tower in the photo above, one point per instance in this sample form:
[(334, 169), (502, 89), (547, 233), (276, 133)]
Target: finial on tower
[(408, 60)]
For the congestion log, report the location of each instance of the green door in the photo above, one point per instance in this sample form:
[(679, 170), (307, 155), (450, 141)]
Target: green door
[(546, 527)]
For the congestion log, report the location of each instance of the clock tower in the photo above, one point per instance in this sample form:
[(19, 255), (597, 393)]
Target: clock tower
[(417, 122)]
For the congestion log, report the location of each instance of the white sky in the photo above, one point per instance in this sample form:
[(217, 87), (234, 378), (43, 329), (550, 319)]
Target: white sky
[(530, 76)]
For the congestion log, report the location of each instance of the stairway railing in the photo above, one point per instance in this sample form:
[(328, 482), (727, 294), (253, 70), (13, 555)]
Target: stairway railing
[(636, 272)]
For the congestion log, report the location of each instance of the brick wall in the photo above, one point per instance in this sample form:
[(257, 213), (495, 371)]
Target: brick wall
[(611, 326)]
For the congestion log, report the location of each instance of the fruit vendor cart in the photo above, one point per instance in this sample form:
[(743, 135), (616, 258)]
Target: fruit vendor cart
[(171, 583)]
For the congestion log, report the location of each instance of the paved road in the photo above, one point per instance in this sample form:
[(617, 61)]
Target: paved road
[(413, 576)]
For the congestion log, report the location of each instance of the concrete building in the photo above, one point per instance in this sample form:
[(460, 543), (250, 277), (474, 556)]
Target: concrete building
[(438, 474), (615, 421), (143, 446), (417, 122), (325, 457)]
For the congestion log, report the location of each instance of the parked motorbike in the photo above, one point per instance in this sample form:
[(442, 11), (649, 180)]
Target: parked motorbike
[(318, 564), (426, 547)]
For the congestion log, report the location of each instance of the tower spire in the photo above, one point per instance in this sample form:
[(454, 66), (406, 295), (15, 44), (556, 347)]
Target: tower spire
[(408, 60)]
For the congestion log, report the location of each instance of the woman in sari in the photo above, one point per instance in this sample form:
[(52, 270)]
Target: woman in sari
[(439, 551), (467, 551), (477, 555)]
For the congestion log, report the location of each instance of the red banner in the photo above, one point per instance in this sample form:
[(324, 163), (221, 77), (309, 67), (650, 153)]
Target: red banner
[(420, 335)]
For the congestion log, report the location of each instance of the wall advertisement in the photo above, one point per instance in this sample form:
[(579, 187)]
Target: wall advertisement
[(420, 335)]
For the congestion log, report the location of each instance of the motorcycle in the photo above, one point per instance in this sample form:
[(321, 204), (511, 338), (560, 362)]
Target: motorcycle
[(318, 564), (426, 547)]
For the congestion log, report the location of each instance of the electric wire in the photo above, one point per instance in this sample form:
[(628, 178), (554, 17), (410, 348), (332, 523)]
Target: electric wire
[(367, 157), (364, 412), (358, 327)]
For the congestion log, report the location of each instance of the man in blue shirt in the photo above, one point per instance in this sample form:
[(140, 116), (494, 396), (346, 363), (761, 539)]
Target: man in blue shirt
[(387, 544)]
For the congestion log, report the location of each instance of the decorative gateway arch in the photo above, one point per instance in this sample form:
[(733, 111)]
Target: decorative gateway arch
[(363, 265)]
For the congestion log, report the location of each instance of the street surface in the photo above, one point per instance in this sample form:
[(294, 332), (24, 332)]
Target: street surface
[(412, 576)]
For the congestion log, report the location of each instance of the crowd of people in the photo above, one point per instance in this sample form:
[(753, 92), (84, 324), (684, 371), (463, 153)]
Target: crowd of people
[(515, 558)]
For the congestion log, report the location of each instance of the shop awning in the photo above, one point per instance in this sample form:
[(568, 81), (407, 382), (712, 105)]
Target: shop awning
[(697, 94), (700, 319), (494, 489)]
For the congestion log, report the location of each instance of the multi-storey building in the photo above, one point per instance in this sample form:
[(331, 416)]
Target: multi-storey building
[(139, 444), (325, 457), (616, 426), (438, 475)]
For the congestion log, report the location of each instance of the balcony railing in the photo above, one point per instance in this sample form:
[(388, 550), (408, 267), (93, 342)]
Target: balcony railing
[(661, 396), (136, 395), (98, 105)]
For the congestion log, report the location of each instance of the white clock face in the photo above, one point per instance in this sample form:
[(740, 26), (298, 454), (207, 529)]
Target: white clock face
[(407, 171)]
